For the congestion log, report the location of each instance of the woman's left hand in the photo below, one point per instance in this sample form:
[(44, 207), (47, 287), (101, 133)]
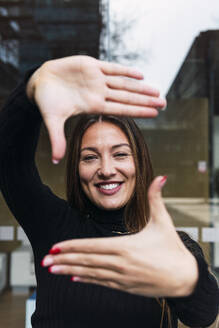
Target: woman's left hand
[(153, 262)]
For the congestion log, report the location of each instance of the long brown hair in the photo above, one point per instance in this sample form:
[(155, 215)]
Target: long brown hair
[(137, 208)]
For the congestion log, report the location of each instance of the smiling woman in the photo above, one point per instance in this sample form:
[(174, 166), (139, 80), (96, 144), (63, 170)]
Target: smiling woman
[(152, 274), (106, 168), (109, 164)]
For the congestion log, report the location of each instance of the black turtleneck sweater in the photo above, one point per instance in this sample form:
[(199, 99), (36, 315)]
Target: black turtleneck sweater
[(47, 219)]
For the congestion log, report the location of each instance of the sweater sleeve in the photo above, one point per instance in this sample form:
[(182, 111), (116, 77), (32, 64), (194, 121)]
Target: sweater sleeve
[(200, 309), (33, 204)]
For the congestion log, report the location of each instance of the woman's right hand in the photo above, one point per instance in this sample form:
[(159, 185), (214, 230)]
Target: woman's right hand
[(80, 84)]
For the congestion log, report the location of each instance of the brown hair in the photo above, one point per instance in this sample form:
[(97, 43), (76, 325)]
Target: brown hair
[(137, 208)]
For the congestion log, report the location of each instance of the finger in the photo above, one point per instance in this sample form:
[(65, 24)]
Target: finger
[(131, 98), (109, 284), (111, 262), (91, 245), (91, 273), (157, 208), (117, 69), (114, 108), (131, 85), (55, 126)]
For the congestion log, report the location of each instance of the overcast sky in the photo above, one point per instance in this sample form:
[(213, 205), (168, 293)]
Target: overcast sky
[(163, 33)]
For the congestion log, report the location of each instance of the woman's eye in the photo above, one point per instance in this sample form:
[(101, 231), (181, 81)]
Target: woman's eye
[(89, 158), (121, 155)]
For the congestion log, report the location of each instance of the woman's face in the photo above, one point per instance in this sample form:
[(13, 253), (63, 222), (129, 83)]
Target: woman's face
[(106, 166)]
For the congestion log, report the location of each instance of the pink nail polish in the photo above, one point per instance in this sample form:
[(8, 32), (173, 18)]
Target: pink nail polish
[(163, 181), (55, 250), (55, 161), (75, 278), (54, 269), (48, 260)]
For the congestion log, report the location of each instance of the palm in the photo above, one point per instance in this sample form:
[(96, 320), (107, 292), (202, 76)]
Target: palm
[(152, 262), (81, 84), (62, 95)]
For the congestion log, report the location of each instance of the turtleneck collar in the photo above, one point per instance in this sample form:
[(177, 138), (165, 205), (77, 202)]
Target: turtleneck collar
[(112, 220)]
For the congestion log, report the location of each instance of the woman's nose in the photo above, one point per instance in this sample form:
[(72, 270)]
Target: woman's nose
[(107, 168)]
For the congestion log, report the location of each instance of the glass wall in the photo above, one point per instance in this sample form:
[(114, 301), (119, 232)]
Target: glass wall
[(183, 140), (31, 32), (34, 31)]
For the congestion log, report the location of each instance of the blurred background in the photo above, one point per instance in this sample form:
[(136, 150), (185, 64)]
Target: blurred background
[(176, 46)]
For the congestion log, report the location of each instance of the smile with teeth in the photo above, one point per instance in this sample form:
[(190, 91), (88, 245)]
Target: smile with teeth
[(109, 188)]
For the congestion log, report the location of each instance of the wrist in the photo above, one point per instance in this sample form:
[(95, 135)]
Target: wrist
[(33, 81), (189, 277), (31, 85)]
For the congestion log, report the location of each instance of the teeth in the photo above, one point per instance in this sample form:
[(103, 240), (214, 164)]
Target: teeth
[(109, 186)]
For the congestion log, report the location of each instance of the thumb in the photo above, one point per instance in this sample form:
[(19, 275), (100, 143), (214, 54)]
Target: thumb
[(158, 210), (55, 126)]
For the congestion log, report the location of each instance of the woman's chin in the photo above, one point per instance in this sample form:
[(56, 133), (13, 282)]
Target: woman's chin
[(109, 206)]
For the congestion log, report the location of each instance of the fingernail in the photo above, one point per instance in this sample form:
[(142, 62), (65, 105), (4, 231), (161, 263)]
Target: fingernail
[(75, 278), (54, 269), (161, 108), (47, 261), (163, 181), (165, 107), (55, 161), (55, 250)]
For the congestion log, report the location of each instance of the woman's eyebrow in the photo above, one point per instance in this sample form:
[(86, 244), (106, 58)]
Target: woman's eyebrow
[(89, 148), (113, 147), (120, 145)]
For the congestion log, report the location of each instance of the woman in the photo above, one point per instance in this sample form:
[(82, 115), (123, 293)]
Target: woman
[(107, 199)]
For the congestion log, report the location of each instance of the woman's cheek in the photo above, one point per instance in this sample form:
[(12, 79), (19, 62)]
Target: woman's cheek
[(86, 172), (129, 168)]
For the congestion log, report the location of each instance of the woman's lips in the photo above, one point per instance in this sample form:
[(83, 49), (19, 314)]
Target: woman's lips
[(109, 188)]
